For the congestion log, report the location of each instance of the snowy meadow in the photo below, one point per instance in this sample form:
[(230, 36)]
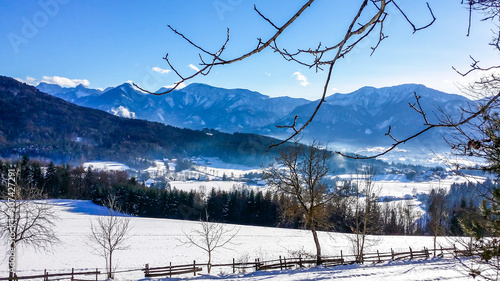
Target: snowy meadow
[(158, 242)]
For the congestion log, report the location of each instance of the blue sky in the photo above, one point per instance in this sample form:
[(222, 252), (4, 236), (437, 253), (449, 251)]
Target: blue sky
[(105, 43)]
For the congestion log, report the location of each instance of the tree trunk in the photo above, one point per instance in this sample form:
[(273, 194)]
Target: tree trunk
[(365, 226), (12, 261), (209, 266), (110, 275), (435, 238), (316, 242)]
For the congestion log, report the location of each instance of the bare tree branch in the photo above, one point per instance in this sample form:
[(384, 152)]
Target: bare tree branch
[(317, 57), (475, 67), (448, 124), (415, 29)]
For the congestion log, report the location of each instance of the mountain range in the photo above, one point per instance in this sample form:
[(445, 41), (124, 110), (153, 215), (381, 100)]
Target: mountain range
[(39, 125), (355, 120)]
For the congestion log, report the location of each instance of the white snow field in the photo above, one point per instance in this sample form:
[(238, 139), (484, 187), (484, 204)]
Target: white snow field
[(106, 165), (159, 242)]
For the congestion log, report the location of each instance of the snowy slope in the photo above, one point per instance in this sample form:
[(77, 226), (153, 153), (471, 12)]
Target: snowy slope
[(158, 242)]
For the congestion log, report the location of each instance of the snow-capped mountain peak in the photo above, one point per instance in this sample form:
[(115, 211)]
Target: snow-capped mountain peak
[(343, 118)]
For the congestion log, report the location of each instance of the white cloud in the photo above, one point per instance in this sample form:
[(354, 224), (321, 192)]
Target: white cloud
[(301, 78), (65, 82), (61, 81), (268, 74), (161, 70), (193, 67), (29, 80), (181, 85)]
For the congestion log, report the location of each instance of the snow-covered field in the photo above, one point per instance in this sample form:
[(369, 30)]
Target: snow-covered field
[(204, 187), (159, 242), (398, 186), (106, 165)]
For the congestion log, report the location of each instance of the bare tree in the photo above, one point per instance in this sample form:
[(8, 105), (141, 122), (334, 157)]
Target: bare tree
[(300, 172), (366, 210), (25, 219), (436, 214), (409, 216), (109, 234), (210, 237)]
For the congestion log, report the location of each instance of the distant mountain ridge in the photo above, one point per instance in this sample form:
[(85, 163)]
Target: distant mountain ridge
[(362, 118), (196, 106), (37, 124), (359, 119)]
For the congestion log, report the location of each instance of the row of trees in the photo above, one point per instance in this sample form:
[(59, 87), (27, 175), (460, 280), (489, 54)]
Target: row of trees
[(239, 206)]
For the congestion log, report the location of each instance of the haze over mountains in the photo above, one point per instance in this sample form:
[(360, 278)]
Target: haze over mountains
[(355, 120)]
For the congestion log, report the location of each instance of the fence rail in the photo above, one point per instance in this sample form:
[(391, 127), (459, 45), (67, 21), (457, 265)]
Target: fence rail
[(287, 263), (278, 264), (61, 276)]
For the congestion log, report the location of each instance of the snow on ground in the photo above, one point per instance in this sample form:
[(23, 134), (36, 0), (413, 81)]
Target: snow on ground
[(397, 185), (216, 163), (159, 241), (434, 269), (106, 166), (204, 187)]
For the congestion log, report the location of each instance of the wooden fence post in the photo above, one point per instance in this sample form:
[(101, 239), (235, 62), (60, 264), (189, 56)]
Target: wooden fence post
[(442, 254), (426, 251), (96, 274), (234, 266), (46, 275), (300, 261), (170, 270), (146, 271), (281, 265), (378, 254), (194, 267), (72, 273), (341, 257), (284, 261), (411, 254), (392, 254), (455, 250)]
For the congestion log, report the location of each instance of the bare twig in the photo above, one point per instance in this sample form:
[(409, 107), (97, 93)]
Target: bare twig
[(317, 57), (450, 124)]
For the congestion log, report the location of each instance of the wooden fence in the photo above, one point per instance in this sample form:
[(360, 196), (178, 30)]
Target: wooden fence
[(59, 276), (278, 264), (288, 263)]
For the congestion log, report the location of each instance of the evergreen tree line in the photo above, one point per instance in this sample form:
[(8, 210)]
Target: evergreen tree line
[(450, 212), (249, 207)]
